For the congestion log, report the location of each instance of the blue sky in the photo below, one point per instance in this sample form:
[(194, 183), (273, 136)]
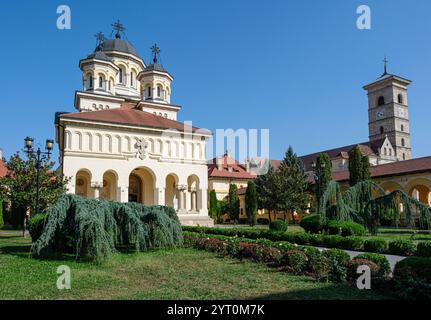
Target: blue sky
[(295, 67)]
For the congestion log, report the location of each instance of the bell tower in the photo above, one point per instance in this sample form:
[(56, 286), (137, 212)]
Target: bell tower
[(388, 112)]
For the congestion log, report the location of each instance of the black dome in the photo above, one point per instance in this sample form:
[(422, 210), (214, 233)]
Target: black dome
[(117, 45)]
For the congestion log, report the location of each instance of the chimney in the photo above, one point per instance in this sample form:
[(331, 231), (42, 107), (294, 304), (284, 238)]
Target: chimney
[(219, 162), (247, 165)]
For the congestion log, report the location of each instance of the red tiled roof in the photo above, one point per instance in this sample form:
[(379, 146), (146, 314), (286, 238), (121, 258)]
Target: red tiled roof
[(231, 169), (128, 115), (367, 148), (392, 169), (3, 169)]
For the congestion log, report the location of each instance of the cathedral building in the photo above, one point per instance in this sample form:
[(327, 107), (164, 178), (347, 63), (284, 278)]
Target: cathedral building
[(124, 141)]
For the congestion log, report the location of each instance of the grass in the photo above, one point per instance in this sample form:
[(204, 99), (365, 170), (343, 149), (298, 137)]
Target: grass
[(166, 274)]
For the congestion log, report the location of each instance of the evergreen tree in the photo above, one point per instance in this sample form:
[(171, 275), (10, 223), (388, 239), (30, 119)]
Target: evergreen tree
[(366, 174), (251, 203), (233, 203), (324, 174), (19, 186), (355, 166), (214, 209), (267, 191), (292, 184)]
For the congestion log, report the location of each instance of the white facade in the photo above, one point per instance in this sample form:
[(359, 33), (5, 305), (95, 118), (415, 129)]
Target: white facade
[(153, 162)]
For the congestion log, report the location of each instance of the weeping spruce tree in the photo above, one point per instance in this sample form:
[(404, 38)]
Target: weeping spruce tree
[(251, 203)]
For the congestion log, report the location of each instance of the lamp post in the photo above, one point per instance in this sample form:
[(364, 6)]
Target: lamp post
[(317, 171), (39, 156)]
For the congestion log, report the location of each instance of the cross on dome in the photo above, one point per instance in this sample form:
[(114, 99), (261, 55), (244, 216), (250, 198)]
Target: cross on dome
[(119, 27), (100, 37), (385, 61), (156, 50)]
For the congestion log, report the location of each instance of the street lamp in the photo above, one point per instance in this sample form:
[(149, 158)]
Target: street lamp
[(40, 156)]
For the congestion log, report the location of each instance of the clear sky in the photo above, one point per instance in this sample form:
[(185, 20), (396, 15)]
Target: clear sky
[(294, 67)]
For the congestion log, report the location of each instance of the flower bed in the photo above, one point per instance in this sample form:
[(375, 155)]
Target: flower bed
[(411, 274), (396, 247)]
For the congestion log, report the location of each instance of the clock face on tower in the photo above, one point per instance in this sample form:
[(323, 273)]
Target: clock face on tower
[(380, 115)]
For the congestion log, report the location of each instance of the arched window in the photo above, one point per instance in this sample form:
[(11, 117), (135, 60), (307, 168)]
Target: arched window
[(381, 101), (385, 151), (403, 142), (132, 77), (90, 82), (400, 99), (382, 130), (121, 76), (159, 91), (100, 82), (404, 156), (109, 85), (402, 128), (149, 92)]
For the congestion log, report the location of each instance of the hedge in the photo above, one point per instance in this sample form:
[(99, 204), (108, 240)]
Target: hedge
[(279, 225), (312, 223), (413, 278), (380, 260), (345, 228), (396, 247)]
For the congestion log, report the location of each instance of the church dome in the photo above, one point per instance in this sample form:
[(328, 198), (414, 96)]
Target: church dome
[(99, 55), (155, 67), (117, 45)]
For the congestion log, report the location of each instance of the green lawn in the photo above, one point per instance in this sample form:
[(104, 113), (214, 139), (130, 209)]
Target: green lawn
[(165, 274)]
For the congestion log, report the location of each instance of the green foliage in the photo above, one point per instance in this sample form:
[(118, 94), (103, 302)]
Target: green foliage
[(380, 260), (424, 249), (375, 245), (93, 229), (323, 171), (355, 166), (402, 247), (358, 205), (338, 261), (267, 190), (36, 225), (292, 183), (345, 228), (233, 202), (251, 203), (19, 186), (214, 208), (279, 225), (413, 278), (1, 213), (312, 223), (354, 264), (295, 261), (366, 171)]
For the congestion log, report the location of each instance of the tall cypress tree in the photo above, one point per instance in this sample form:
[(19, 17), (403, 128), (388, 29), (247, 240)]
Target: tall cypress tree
[(292, 184), (214, 210), (324, 174), (251, 203), (355, 166), (233, 203), (366, 174)]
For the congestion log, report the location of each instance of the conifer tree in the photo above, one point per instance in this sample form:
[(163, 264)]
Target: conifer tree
[(267, 191), (324, 175), (251, 203), (366, 174), (233, 203), (355, 166), (214, 210)]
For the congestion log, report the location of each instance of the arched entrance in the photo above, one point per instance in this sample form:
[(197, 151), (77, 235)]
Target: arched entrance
[(83, 184), (141, 186), (110, 186), (193, 189), (171, 191), (420, 189)]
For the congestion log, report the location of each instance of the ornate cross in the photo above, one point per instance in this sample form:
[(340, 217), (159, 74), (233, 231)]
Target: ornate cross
[(118, 26), (141, 147), (100, 37), (156, 50)]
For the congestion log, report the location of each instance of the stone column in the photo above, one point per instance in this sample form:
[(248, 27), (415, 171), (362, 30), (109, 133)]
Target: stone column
[(96, 185), (159, 194)]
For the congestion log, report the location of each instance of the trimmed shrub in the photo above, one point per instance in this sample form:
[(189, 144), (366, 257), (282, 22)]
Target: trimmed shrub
[(278, 225), (375, 245), (295, 261), (353, 265), (424, 249), (36, 225), (351, 243), (402, 247), (318, 265), (331, 241), (345, 228), (380, 260), (338, 260), (312, 223), (413, 278)]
